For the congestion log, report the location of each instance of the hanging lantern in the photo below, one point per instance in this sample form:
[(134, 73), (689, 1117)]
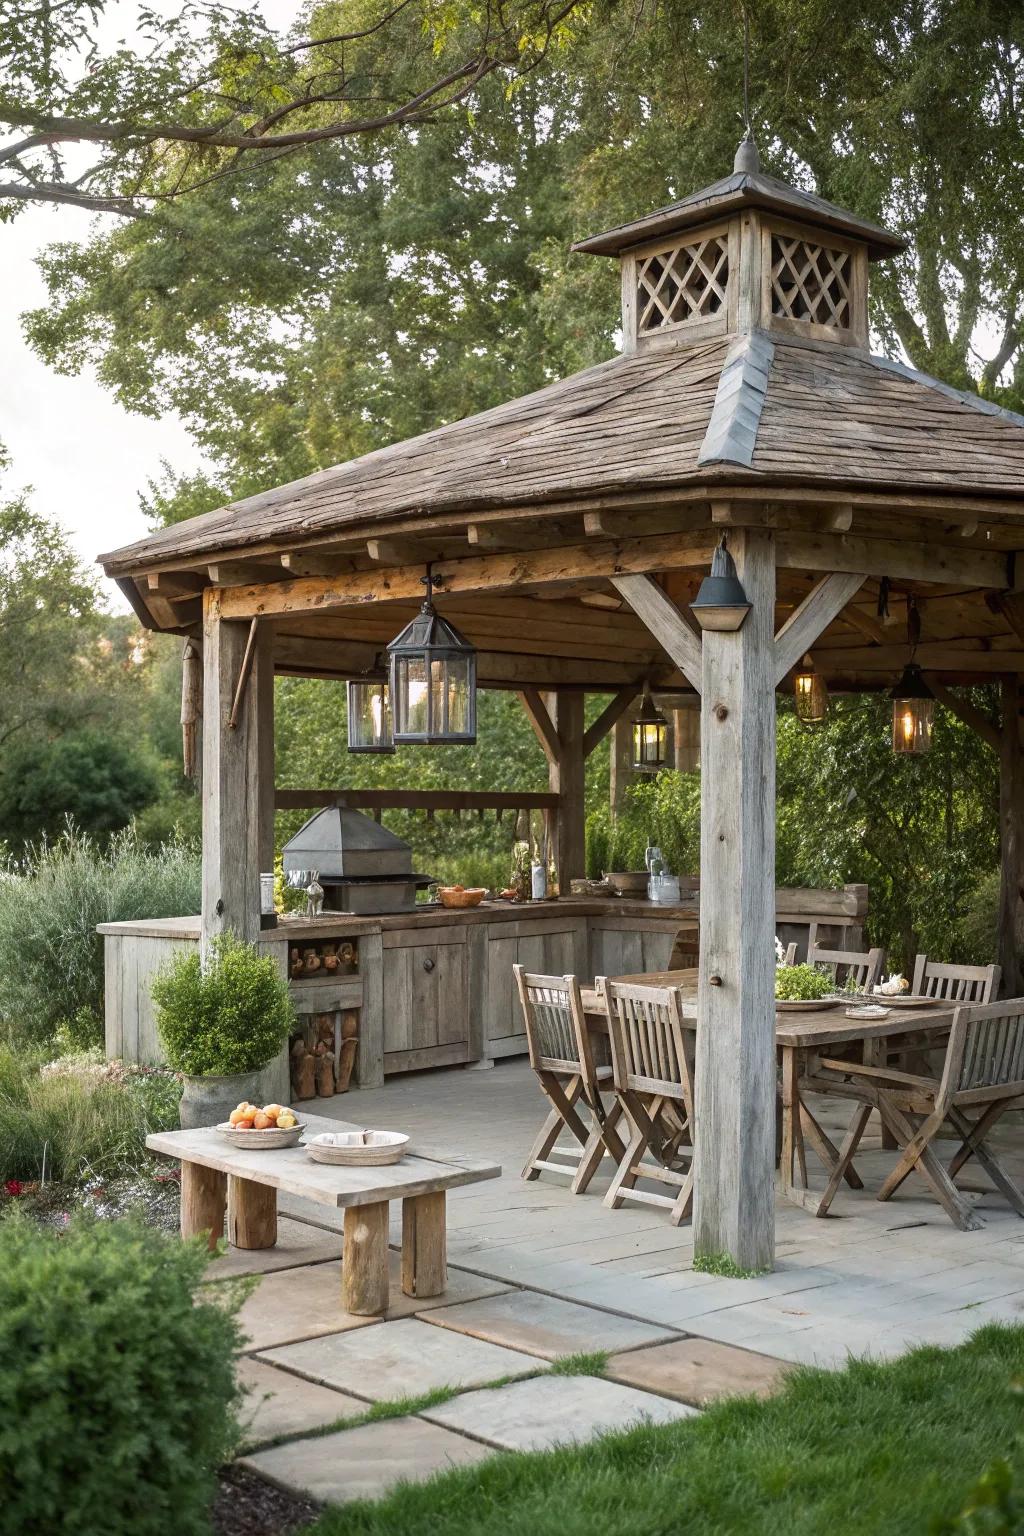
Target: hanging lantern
[(650, 736), (369, 716), (913, 709), (721, 602), (811, 693), (433, 681)]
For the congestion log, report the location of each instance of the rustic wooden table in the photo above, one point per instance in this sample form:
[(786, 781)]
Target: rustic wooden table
[(216, 1176), (799, 1037)]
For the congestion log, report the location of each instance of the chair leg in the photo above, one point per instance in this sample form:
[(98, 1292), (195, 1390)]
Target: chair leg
[(624, 1178), (976, 1132), (826, 1149), (983, 1152), (684, 1201), (563, 1114), (919, 1153), (844, 1157)]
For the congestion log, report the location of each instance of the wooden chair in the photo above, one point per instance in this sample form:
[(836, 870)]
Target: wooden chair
[(954, 983), (561, 1056), (862, 968), (982, 1077), (652, 1066)]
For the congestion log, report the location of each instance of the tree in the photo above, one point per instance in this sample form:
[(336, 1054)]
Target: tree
[(93, 780)]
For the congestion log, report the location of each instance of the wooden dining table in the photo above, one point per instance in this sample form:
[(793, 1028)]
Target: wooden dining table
[(800, 1037)]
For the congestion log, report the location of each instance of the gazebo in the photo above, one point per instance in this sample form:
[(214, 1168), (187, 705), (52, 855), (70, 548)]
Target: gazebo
[(873, 516)]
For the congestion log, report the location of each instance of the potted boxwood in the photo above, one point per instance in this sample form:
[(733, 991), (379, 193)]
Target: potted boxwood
[(221, 1024)]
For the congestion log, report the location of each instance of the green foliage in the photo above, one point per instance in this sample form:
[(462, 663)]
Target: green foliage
[(97, 780), (234, 1016), (79, 1118), (663, 810), (981, 917), (874, 1449), (724, 1266), (51, 957), (118, 1396), (796, 982), (585, 1363)]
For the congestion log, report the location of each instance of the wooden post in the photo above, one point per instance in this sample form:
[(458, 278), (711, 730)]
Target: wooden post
[(235, 801), (424, 1245), (735, 1087), (1011, 827), (252, 1214), (203, 1201), (566, 778), (364, 1264)]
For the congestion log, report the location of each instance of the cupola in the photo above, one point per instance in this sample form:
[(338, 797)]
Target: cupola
[(748, 253)]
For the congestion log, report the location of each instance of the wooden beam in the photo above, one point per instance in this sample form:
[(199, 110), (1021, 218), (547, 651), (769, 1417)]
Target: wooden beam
[(641, 523), (243, 675), (175, 584), (512, 534), (416, 799), (734, 1154), (933, 655), (665, 622), (300, 563), (867, 625), (1011, 606), (567, 779), (606, 720), (398, 551), (241, 573), (541, 721), (814, 615), (837, 518), (967, 712), (899, 560)]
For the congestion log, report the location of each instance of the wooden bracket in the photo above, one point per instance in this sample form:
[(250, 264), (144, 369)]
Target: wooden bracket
[(805, 624), (543, 725), (595, 734), (964, 710), (666, 623), (243, 675)]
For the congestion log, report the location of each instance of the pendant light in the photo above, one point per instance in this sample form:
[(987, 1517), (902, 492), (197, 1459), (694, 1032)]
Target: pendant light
[(721, 602), (811, 693), (650, 736), (432, 681), (913, 703), (369, 715)]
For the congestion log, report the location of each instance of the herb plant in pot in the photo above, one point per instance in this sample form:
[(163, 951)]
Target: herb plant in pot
[(221, 1025)]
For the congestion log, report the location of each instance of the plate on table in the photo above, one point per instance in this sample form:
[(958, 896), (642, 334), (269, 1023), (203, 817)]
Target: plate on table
[(804, 1004), (907, 1000), (262, 1141), (358, 1149)]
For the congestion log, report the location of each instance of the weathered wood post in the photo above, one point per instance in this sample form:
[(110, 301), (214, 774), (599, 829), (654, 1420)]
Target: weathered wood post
[(566, 778), (735, 1087), (236, 794), (1011, 829)]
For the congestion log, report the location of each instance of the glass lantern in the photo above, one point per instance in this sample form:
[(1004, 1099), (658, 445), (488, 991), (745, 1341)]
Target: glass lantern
[(433, 682), (913, 710), (811, 694), (650, 736), (369, 716)]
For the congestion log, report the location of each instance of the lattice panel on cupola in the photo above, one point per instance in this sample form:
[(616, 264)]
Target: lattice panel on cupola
[(682, 285), (810, 282)]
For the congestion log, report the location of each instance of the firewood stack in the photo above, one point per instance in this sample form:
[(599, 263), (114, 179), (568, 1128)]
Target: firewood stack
[(314, 1053)]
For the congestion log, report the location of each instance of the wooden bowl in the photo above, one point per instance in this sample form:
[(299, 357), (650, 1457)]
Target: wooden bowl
[(261, 1141), (628, 882), (358, 1149), (450, 897)]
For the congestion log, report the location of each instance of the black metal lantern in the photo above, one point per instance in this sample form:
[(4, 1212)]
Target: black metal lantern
[(811, 694), (913, 711), (433, 681), (650, 736), (369, 715), (721, 602)]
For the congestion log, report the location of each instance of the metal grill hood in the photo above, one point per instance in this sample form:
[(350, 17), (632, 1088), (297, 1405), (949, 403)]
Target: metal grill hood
[(345, 844)]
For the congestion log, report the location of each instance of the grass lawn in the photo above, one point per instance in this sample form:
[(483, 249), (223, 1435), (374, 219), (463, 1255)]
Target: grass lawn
[(873, 1450)]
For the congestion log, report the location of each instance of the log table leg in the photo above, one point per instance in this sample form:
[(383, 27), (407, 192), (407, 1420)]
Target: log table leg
[(252, 1214), (424, 1245), (364, 1264), (203, 1198)]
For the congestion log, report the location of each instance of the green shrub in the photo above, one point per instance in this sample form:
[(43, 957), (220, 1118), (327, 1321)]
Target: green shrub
[(981, 920), (117, 1392), (664, 810), (234, 1016), (51, 957), (79, 1116), (802, 982)]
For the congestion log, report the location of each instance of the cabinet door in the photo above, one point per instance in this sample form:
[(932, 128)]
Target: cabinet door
[(545, 946), (426, 1015)]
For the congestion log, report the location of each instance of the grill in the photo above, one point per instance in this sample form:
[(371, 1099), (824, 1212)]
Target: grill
[(362, 866)]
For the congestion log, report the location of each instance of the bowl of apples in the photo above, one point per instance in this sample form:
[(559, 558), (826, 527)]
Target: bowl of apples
[(275, 1125)]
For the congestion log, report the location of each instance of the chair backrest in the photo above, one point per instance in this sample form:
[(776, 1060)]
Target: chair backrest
[(652, 1051), (863, 968), (556, 1032), (954, 983), (986, 1050)]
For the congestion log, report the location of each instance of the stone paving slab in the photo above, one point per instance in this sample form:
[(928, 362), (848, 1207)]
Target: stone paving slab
[(546, 1326), (278, 1403), (401, 1359), (551, 1410), (366, 1462), (698, 1371), (297, 1243)]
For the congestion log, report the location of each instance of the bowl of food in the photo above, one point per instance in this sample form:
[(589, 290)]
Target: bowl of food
[(460, 896), (358, 1149), (273, 1125)]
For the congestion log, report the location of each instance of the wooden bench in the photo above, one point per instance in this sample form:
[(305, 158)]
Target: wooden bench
[(217, 1178)]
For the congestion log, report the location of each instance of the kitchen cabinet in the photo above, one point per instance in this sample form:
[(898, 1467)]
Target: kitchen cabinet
[(551, 945), (426, 1001)]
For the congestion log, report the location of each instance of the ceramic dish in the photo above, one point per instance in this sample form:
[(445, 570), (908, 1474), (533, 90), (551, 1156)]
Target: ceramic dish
[(867, 1011), (804, 1004), (907, 1000), (450, 897), (358, 1149), (261, 1141)]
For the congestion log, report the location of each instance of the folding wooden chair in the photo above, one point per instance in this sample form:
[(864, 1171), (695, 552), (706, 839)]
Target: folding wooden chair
[(954, 983), (652, 1066), (982, 1077), (860, 968), (561, 1056)]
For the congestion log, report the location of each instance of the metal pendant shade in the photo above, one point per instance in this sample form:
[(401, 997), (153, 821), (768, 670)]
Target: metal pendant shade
[(433, 682), (913, 711), (650, 736), (721, 602), (369, 715)]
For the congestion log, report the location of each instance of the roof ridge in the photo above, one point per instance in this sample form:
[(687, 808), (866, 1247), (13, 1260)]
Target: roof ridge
[(731, 434), (962, 396)]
